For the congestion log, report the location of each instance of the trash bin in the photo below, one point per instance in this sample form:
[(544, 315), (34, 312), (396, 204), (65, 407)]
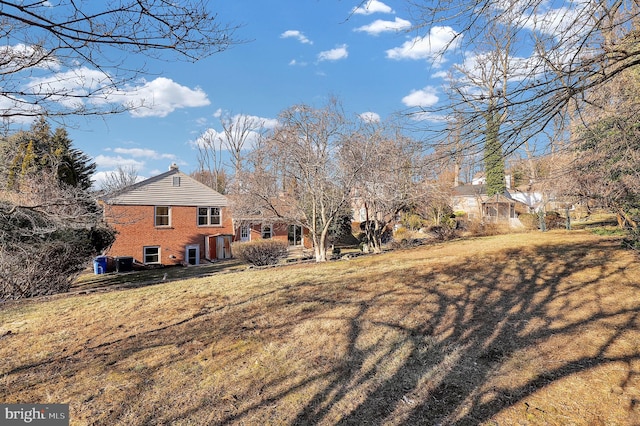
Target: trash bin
[(100, 265), (124, 264)]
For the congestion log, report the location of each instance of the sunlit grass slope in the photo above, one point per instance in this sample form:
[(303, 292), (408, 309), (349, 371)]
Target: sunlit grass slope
[(532, 329)]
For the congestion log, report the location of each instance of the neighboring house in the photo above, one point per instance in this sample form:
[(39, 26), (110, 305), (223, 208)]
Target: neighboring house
[(474, 201), (468, 199), (169, 219)]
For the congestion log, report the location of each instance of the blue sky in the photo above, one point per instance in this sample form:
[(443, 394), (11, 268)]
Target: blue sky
[(296, 52), (369, 57)]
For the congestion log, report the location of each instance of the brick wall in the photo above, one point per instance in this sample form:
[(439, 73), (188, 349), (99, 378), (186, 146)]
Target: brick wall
[(280, 231), (136, 229)]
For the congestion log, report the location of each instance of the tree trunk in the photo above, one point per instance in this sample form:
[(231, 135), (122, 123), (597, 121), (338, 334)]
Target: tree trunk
[(320, 247)]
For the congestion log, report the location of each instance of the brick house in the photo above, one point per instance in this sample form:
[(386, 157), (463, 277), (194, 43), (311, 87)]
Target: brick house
[(252, 224), (261, 227), (169, 219)]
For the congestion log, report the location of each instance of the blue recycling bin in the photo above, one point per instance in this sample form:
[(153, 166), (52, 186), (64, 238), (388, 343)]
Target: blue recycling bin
[(100, 265)]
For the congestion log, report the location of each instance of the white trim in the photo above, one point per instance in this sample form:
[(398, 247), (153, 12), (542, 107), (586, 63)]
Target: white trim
[(155, 216), (208, 216), (186, 253), (245, 229), (144, 255)]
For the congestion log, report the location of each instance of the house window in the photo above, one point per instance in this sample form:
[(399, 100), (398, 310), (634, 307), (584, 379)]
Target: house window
[(176, 181), (151, 254), (295, 235), (266, 232), (363, 214), (163, 216), (245, 233), (209, 216)]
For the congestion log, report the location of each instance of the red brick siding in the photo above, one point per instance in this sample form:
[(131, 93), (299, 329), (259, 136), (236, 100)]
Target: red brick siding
[(136, 229), (280, 231)]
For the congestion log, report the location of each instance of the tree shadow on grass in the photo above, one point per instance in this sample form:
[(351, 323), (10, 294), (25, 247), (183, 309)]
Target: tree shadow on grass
[(443, 344), (476, 322), (464, 326)]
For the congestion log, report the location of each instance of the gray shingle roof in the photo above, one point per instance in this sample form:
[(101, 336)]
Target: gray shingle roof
[(160, 190)]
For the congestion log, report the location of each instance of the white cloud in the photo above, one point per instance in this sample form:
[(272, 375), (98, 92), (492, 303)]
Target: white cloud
[(99, 178), (431, 46), (156, 98), (20, 56), (380, 26), (108, 162), (298, 35), (372, 6), (9, 106), (421, 98), (295, 63), (141, 152), (210, 137), (478, 68), (334, 54), (160, 97), (370, 117), (215, 138), (71, 87)]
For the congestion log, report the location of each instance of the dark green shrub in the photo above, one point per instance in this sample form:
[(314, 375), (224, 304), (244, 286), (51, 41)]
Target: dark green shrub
[(261, 252)]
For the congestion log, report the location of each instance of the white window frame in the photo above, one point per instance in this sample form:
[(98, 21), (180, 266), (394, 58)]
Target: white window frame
[(155, 217), (270, 227), (363, 214), (245, 233), (195, 247), (145, 255), (209, 216)]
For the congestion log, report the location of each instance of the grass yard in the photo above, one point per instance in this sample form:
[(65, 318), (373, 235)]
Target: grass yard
[(522, 329)]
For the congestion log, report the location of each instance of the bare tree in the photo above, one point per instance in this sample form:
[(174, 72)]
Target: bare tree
[(48, 232), (210, 167), (479, 100), (296, 176), (390, 177), (566, 50), (58, 58), (238, 130), (118, 179), (607, 151)]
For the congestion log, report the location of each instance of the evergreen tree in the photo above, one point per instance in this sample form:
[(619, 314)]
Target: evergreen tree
[(40, 149), (75, 168), (50, 223)]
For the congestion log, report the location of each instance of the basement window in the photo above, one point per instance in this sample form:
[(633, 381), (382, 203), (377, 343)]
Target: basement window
[(151, 254)]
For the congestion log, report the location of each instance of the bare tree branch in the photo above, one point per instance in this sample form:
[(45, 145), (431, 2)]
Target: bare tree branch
[(71, 59)]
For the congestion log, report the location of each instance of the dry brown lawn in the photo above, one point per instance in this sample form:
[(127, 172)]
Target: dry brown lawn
[(524, 329)]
